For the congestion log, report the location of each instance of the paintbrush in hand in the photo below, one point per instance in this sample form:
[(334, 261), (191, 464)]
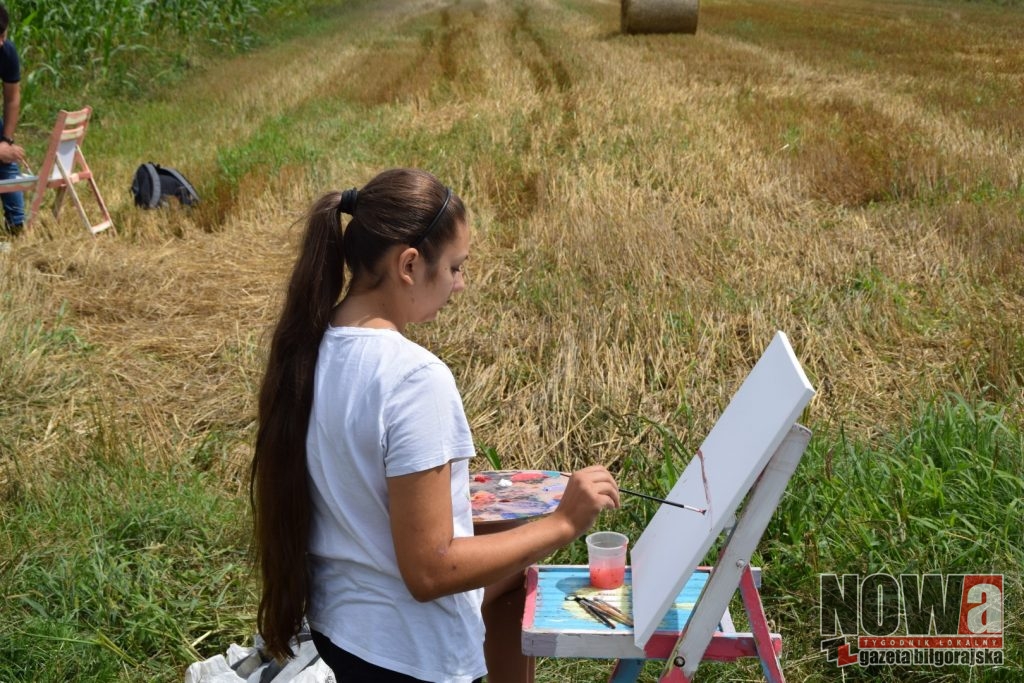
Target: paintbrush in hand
[(684, 506), (663, 501)]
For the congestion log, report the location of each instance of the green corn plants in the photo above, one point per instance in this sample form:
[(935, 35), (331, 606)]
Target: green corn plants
[(123, 45)]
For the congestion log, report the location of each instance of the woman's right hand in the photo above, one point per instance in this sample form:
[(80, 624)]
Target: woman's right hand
[(588, 492)]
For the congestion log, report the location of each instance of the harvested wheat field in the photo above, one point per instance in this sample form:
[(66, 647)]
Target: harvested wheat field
[(647, 211)]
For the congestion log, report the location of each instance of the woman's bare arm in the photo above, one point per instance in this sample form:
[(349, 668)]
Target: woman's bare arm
[(434, 563)]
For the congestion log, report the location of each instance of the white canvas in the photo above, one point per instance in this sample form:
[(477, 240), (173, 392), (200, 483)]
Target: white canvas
[(734, 453), (66, 157)]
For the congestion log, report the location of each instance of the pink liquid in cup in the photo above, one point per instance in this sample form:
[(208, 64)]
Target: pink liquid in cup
[(607, 577), (606, 555)]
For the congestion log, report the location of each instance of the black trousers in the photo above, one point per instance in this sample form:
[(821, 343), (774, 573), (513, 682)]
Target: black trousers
[(348, 668)]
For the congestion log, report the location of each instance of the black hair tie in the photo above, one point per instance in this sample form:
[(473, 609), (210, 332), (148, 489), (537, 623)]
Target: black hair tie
[(423, 235), (348, 201)]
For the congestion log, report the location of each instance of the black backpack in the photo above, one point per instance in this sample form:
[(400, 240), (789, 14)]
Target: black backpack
[(153, 183)]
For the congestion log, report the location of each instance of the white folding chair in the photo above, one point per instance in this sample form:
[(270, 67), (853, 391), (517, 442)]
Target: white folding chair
[(63, 167)]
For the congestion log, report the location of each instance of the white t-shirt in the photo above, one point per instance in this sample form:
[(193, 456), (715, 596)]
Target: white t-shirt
[(384, 406)]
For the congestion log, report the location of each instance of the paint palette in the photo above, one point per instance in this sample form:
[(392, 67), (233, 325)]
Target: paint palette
[(500, 496)]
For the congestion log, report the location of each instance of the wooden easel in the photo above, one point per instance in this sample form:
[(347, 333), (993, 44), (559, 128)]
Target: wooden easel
[(681, 611), (732, 571)]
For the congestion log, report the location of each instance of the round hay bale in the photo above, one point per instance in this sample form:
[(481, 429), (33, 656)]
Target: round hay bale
[(660, 16)]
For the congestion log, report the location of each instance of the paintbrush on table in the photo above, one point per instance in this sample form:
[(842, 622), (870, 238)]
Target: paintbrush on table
[(611, 612), (593, 611), (600, 610)]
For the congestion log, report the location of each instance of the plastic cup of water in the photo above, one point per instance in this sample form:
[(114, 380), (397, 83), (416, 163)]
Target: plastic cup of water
[(606, 555)]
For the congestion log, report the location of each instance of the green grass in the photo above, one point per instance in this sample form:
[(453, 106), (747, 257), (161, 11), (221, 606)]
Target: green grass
[(944, 494), (121, 571), (117, 570)]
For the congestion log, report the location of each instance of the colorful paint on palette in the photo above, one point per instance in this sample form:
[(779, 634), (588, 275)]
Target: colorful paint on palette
[(505, 495)]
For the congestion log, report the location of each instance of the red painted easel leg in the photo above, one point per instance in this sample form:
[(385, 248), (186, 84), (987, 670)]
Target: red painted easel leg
[(759, 627), (675, 676)]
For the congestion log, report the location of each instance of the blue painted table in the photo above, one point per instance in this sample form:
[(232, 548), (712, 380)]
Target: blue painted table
[(556, 627)]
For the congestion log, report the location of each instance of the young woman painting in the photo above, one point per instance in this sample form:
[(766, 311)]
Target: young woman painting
[(360, 480)]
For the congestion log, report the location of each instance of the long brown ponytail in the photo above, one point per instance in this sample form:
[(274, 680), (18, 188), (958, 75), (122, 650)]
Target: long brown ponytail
[(280, 493)]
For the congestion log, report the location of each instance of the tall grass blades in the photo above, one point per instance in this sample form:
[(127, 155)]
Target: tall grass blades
[(943, 496), (117, 568)]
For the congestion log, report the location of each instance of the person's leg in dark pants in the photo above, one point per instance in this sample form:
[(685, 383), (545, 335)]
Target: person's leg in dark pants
[(14, 202), (503, 616)]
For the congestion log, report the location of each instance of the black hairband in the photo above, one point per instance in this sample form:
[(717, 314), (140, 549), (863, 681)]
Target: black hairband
[(423, 235), (348, 201)]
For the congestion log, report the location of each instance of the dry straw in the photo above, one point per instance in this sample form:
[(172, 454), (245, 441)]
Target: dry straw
[(644, 221)]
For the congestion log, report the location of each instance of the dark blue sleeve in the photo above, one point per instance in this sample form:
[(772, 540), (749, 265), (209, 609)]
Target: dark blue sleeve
[(10, 65)]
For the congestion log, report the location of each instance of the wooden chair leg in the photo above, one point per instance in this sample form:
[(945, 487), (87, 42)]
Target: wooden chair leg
[(58, 201), (37, 203), (107, 220), (81, 209), (69, 189)]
